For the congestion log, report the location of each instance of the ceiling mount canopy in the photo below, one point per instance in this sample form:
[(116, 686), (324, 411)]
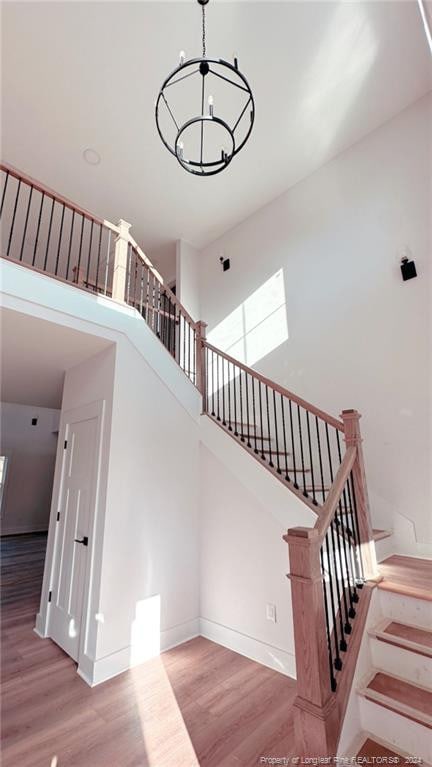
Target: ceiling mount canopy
[(205, 111)]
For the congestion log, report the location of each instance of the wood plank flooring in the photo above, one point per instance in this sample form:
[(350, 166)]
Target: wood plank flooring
[(410, 576), (198, 704)]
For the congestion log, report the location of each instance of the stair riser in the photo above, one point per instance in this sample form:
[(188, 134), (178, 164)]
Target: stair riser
[(417, 612), (400, 732), (401, 662), (384, 548)]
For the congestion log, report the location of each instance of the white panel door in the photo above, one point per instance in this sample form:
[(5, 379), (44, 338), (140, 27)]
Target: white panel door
[(77, 503)]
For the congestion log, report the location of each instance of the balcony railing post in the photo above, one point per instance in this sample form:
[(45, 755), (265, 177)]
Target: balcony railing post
[(200, 335), (353, 438), (120, 261), (315, 710)]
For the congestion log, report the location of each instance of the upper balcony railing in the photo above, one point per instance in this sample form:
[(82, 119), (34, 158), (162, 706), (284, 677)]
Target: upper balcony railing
[(49, 233)]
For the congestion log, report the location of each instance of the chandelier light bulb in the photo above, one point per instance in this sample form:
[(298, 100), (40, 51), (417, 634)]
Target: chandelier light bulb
[(210, 105), (182, 58), (180, 149)]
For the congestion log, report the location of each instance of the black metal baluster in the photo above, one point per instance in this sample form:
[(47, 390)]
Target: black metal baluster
[(254, 418), (293, 444), (357, 569), (218, 387), (147, 299), (189, 350), (169, 332), (320, 458), (49, 234), (241, 405), (26, 222), (229, 396), (107, 263), (89, 254), (13, 217), (235, 402), (4, 192), (213, 385), (128, 273), (270, 459), (70, 243), (223, 391), (326, 610), (344, 531), (356, 523), (248, 443), (284, 438), (38, 228), (337, 662), (347, 624), (278, 468), (329, 455), (314, 500), (59, 240), (341, 591), (305, 493), (261, 420), (98, 257), (80, 247)]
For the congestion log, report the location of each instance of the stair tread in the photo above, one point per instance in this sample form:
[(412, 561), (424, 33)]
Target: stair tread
[(371, 748), (414, 634), (379, 535), (410, 576), (402, 692)]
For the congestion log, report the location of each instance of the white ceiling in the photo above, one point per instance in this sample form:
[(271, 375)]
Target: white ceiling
[(34, 356), (79, 75)]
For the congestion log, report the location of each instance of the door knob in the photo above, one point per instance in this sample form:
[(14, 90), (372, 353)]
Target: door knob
[(83, 540)]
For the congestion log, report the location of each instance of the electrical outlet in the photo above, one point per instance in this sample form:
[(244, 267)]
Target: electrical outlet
[(271, 612)]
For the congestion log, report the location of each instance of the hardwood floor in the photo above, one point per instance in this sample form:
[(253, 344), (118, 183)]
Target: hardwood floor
[(198, 704)]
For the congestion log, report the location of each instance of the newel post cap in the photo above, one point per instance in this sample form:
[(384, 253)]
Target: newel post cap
[(201, 327), (124, 227)]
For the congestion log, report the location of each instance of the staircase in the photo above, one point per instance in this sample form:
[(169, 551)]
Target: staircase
[(395, 694), (317, 457)]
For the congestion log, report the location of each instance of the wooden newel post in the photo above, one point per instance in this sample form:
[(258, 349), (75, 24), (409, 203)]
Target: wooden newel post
[(315, 710), (351, 421), (200, 335), (120, 261)]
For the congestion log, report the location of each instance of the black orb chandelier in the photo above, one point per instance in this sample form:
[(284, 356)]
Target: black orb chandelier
[(204, 143)]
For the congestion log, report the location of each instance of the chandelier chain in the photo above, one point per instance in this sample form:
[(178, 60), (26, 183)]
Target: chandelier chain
[(203, 31)]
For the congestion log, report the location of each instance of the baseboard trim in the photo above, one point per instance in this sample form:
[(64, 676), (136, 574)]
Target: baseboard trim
[(260, 652), (95, 672)]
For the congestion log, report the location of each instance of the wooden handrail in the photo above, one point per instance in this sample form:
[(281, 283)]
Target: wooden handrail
[(280, 389), (48, 192), (325, 518)]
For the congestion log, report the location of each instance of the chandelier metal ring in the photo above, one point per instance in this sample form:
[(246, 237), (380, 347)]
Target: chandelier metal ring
[(213, 167), (237, 133)]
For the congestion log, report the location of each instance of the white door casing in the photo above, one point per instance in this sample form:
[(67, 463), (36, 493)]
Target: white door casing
[(77, 501)]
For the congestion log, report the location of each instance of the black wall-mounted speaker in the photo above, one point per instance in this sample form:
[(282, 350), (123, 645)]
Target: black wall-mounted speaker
[(408, 269)]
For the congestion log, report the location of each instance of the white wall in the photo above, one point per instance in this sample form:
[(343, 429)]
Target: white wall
[(149, 582), (187, 277), (357, 335), (31, 452)]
